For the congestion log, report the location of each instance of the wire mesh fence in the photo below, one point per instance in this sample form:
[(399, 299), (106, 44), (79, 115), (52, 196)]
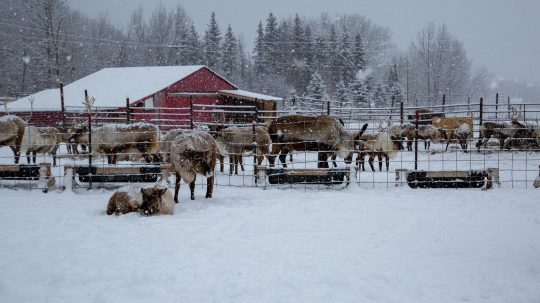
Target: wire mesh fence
[(288, 148)]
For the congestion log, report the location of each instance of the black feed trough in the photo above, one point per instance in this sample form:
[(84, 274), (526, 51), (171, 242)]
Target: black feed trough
[(20, 172), (449, 179), (118, 174), (307, 176)]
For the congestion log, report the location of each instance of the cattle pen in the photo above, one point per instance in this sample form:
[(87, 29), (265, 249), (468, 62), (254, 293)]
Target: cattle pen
[(464, 138)]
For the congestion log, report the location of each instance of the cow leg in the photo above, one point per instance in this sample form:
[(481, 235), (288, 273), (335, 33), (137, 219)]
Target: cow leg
[(16, 152), (192, 188), (290, 157), (283, 157), (209, 186), (221, 164), (274, 153), (231, 164), (334, 156), (176, 187), (387, 161), (34, 155), (447, 144), (379, 157), (241, 161), (322, 160), (370, 161), (28, 154)]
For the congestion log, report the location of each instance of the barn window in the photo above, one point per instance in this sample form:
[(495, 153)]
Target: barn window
[(149, 102)]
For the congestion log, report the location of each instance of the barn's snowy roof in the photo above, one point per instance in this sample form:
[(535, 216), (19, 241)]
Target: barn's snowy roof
[(109, 86), (247, 95)]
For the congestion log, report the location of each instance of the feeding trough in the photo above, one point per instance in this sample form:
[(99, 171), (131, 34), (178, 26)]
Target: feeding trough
[(116, 174), (330, 176), (449, 179), (41, 173)]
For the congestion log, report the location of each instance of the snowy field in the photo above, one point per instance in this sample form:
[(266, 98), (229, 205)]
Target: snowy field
[(274, 245)]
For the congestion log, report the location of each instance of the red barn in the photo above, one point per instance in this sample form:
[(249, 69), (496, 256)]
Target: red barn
[(169, 96)]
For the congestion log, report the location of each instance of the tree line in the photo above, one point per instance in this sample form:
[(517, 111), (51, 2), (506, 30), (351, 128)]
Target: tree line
[(347, 59)]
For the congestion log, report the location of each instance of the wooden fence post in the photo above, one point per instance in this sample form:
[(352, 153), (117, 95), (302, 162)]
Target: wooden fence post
[(128, 111), (416, 140), (443, 102), (254, 138), (62, 106), (191, 111), (401, 112), (496, 105), (481, 111), (89, 140), (328, 108), (508, 107)]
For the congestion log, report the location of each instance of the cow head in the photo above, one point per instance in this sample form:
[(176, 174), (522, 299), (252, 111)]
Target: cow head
[(151, 200), (198, 160)]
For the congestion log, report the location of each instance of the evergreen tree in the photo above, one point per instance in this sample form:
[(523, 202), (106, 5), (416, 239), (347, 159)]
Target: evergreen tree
[(271, 45), (229, 57), (393, 86), (212, 40), (258, 53), (358, 56), (316, 92), (298, 38), (380, 96), (344, 59), (343, 95), (192, 53), (360, 93)]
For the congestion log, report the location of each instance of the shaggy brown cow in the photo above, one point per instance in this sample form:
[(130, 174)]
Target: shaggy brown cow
[(40, 140), (113, 139), (12, 133), (148, 201), (323, 134), (428, 133), (235, 140), (191, 154), (156, 201), (381, 145)]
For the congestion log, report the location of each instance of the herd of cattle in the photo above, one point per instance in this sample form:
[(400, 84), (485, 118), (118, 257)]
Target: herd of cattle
[(196, 152)]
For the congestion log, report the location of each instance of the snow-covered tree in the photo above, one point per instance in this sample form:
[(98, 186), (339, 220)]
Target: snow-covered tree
[(229, 64), (212, 43), (316, 92), (360, 93)]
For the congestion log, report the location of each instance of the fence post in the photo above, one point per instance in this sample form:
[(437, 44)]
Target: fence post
[(416, 140), (254, 138), (191, 111), (496, 105), (328, 107), (401, 112), (89, 141), (62, 106), (128, 111), (524, 113), (443, 102), (481, 111), (508, 107), (469, 105)]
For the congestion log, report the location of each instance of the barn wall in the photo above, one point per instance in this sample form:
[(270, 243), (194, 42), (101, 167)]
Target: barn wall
[(175, 111)]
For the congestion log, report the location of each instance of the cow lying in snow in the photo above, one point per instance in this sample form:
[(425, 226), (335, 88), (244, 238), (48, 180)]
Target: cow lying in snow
[(191, 154), (114, 139), (148, 201)]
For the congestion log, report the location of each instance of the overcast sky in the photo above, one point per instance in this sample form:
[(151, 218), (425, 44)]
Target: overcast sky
[(502, 35)]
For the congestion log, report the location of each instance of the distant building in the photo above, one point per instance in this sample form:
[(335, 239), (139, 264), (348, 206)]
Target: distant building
[(169, 96)]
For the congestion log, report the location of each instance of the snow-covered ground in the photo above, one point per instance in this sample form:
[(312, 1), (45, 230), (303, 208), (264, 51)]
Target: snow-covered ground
[(274, 245)]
